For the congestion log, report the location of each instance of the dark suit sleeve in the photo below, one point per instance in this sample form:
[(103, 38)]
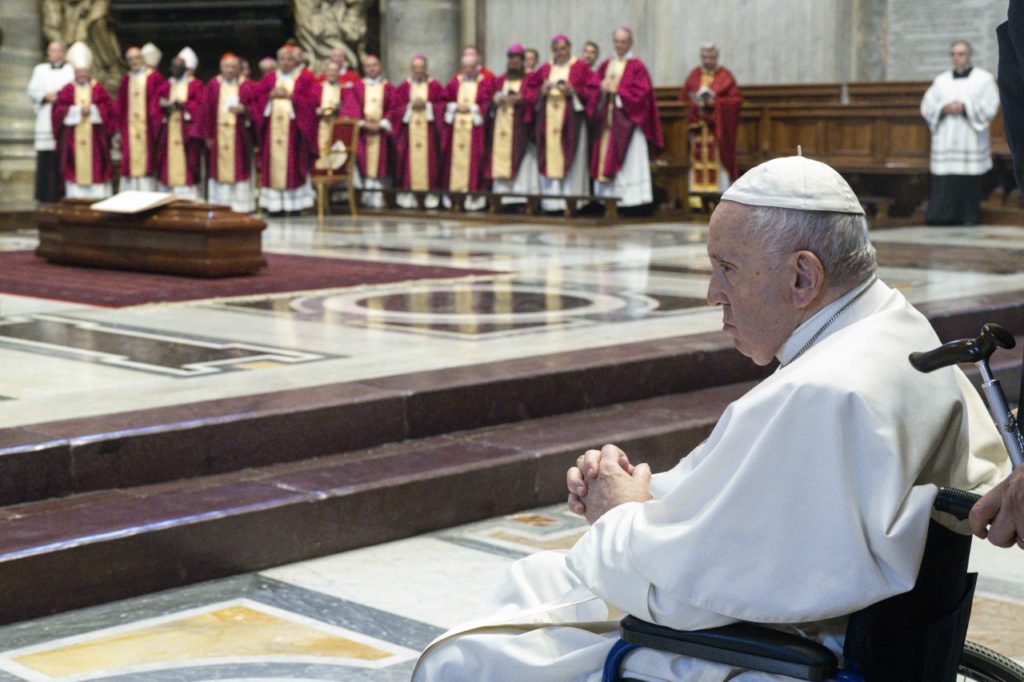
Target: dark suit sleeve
[(1011, 85)]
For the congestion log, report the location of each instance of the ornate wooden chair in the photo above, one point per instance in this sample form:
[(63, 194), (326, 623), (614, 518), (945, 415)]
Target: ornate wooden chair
[(335, 165)]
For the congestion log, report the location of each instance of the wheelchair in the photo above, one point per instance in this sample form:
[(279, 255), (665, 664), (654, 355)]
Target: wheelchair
[(918, 636)]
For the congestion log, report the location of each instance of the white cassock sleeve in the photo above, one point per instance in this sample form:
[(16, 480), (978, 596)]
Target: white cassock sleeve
[(37, 86), (983, 106), (931, 105), (449, 112)]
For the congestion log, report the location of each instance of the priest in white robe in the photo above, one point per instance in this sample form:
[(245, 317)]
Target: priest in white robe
[(959, 106), (812, 496), (47, 80)]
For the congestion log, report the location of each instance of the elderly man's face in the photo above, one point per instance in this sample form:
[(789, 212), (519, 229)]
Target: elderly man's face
[(332, 72), (287, 60), (752, 286), (561, 51), (338, 57), (267, 65), (960, 55), (82, 76), (230, 68), (589, 54), (418, 67), (622, 41), (55, 52), (371, 67), (530, 63), (134, 57), (709, 59)]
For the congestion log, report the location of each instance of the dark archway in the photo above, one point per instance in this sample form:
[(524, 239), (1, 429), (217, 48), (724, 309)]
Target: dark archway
[(252, 29)]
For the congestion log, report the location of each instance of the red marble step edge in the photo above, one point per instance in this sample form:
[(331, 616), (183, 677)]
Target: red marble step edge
[(148, 446), (171, 534), (66, 457)]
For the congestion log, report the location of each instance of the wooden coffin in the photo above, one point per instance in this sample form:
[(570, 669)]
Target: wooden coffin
[(182, 238)]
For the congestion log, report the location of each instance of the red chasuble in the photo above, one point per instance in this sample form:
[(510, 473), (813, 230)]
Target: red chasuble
[(229, 136), (639, 110), (583, 80), (463, 144), (288, 145), (72, 150), (510, 128), (146, 127), (417, 142), (180, 143), (373, 155), (722, 118)]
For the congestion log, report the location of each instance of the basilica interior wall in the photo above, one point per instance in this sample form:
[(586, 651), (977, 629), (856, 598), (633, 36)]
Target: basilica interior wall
[(763, 42)]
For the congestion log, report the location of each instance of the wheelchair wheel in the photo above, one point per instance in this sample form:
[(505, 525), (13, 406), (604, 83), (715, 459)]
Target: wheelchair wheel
[(984, 665)]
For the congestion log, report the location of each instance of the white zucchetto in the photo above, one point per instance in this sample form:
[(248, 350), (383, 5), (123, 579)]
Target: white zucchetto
[(794, 182)]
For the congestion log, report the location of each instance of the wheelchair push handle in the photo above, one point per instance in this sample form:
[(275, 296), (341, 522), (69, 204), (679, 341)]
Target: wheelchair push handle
[(956, 502), (975, 350), (978, 351)]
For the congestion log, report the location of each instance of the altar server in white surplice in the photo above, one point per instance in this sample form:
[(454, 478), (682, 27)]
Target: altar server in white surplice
[(48, 79), (959, 106), (811, 498)]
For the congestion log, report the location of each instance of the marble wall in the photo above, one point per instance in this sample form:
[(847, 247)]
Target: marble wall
[(921, 31), (761, 41)]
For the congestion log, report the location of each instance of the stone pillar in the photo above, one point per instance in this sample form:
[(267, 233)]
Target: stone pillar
[(428, 27), (20, 51), (870, 29)]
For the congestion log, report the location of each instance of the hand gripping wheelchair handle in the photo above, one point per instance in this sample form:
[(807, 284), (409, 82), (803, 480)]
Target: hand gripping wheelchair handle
[(979, 349), (955, 502)]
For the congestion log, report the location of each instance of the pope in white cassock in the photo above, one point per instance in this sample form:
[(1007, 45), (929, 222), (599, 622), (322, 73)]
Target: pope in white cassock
[(812, 496), (959, 107)]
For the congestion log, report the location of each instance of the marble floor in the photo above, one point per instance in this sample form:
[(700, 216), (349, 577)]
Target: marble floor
[(360, 616), (364, 614), (554, 290)]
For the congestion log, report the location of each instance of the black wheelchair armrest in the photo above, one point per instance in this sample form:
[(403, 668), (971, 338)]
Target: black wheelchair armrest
[(742, 645)]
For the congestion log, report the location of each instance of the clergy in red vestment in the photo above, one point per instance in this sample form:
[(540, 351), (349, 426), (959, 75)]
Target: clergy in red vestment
[(179, 146), (417, 117), (627, 127), (139, 118), (227, 117), (464, 137), (512, 164), (565, 91), (715, 102), (83, 123), (286, 102), (332, 97), (372, 99)]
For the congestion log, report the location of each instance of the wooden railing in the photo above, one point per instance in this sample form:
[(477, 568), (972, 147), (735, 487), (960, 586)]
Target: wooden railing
[(873, 133)]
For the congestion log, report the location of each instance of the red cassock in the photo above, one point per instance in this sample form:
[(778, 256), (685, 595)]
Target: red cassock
[(639, 110), (243, 134), (302, 131), (354, 106), (722, 118), (587, 88), (102, 168), (154, 117), (478, 152), (191, 133), (437, 101), (522, 125)]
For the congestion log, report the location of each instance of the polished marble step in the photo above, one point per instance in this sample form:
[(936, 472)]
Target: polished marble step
[(113, 451), (89, 548)]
